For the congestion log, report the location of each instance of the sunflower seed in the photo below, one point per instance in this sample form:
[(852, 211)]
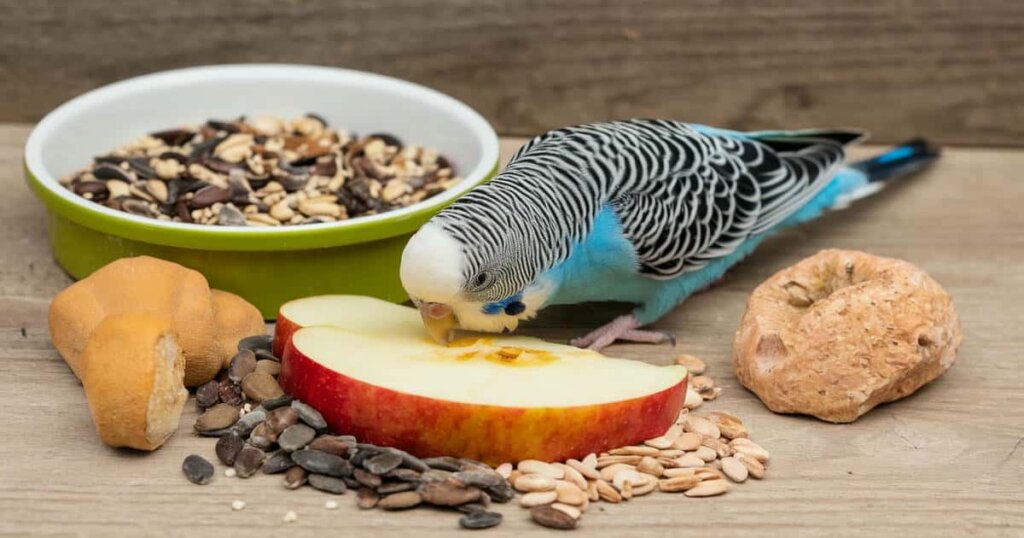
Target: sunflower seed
[(295, 437), (278, 463), (281, 419), (274, 403), (319, 462), (367, 478), (382, 463), (367, 498), (552, 517), (310, 416), (269, 367), (400, 501), (208, 394), (480, 520), (248, 461), (331, 445), (259, 386), (217, 417), (197, 470), (228, 447), (258, 341), (395, 487), (480, 479), (404, 475), (330, 484), (245, 425), (444, 463), (449, 493), (294, 478), (242, 364)]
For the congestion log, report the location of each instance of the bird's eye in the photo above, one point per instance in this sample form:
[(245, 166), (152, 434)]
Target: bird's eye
[(481, 280)]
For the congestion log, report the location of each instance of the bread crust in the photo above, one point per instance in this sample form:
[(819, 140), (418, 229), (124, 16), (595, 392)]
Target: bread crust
[(142, 285), (236, 318), (133, 377), (841, 332)]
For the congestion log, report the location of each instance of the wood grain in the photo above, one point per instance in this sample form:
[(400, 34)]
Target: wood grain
[(948, 461), (952, 70)]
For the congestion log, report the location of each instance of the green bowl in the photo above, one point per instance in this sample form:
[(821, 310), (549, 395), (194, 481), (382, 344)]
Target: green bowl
[(267, 266)]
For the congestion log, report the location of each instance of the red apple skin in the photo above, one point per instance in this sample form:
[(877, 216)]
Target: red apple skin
[(284, 328), (493, 434)]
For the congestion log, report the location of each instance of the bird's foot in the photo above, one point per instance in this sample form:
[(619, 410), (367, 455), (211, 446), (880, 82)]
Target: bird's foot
[(625, 328)]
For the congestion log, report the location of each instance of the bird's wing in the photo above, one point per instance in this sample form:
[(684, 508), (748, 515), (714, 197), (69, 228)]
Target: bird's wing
[(738, 187), (529, 144)]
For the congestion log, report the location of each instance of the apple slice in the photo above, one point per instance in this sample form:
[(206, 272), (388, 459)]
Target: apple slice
[(492, 399), (354, 312)]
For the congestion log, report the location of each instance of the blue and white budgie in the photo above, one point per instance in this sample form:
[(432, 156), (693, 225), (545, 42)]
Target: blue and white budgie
[(639, 211)]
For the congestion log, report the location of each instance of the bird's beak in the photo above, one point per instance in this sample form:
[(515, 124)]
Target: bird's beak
[(439, 320)]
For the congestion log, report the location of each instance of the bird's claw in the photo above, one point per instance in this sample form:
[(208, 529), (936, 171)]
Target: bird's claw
[(624, 328)]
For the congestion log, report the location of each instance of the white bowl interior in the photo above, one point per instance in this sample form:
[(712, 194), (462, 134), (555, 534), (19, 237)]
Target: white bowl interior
[(362, 103)]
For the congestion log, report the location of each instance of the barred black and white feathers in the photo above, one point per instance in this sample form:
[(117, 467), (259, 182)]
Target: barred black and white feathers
[(684, 196), (679, 196)]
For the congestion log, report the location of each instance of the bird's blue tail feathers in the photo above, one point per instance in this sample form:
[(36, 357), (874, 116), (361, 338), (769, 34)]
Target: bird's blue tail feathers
[(864, 178), (899, 161)]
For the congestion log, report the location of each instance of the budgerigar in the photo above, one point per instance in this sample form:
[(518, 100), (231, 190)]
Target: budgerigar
[(640, 211)]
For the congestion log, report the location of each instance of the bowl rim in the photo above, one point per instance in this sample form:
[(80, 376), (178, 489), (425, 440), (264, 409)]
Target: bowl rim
[(242, 238)]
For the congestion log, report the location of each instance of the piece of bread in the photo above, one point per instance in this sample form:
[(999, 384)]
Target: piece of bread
[(140, 285), (133, 377), (841, 332), (236, 318)]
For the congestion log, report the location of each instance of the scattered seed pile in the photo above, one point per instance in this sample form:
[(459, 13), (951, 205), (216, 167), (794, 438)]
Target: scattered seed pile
[(262, 172), (261, 429), (699, 456)]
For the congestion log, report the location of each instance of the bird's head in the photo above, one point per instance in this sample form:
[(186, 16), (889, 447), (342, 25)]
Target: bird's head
[(456, 285)]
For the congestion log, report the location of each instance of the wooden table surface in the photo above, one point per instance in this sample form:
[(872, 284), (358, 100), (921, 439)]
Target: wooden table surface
[(946, 461)]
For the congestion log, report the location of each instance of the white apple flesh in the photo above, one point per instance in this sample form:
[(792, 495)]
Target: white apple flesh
[(494, 399)]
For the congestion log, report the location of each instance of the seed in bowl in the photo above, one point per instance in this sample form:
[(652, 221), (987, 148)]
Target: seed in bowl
[(264, 171)]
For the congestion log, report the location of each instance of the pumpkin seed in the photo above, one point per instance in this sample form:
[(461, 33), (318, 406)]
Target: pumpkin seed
[(735, 470), (531, 483), (538, 498), (678, 483), (541, 468), (692, 364), (708, 488)]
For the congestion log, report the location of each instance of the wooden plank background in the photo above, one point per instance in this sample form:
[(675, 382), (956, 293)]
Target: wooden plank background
[(952, 70)]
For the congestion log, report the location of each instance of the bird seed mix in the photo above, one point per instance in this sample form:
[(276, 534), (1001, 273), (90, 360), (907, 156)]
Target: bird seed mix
[(264, 171)]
